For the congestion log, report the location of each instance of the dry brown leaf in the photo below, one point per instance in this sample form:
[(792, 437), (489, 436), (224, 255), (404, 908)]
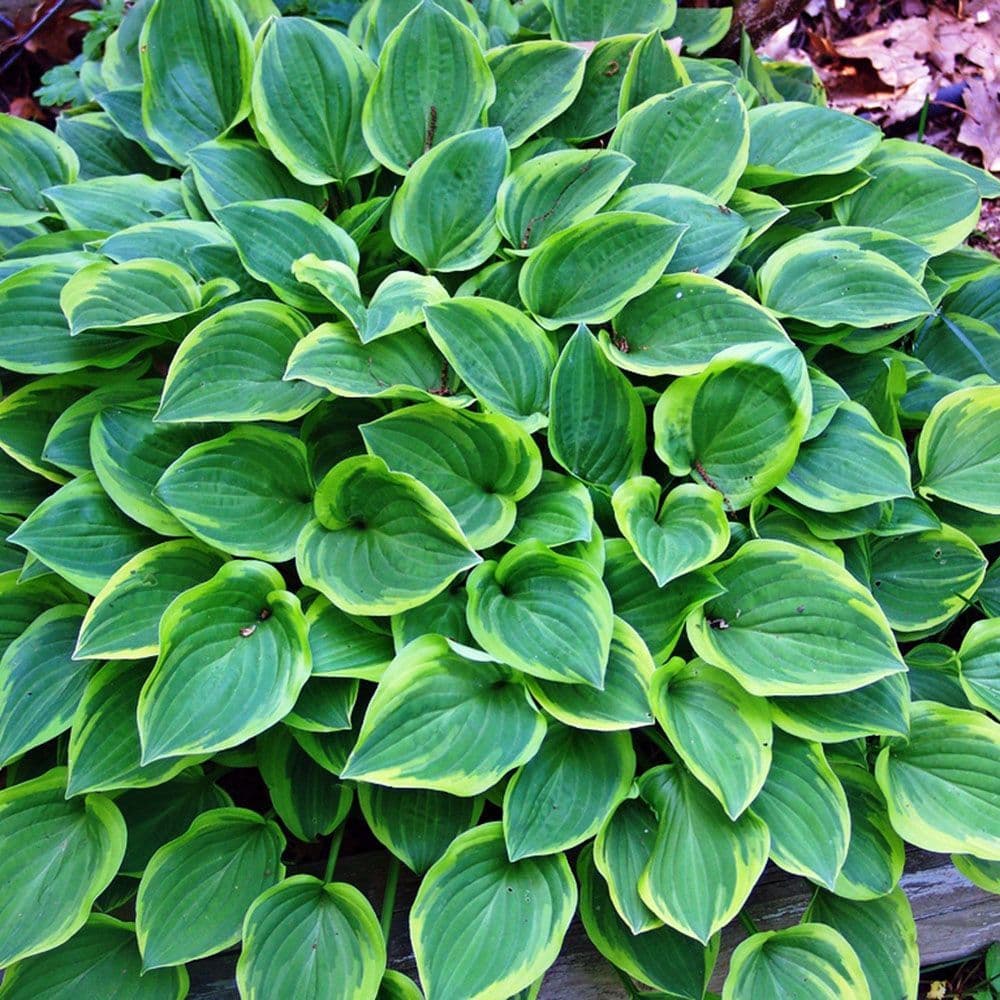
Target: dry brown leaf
[(981, 127)]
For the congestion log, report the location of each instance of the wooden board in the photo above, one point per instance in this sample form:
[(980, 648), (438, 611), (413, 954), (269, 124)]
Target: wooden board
[(955, 919)]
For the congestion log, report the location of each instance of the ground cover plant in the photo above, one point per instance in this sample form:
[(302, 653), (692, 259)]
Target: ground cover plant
[(572, 462)]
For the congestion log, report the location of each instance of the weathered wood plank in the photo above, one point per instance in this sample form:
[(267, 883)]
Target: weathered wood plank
[(955, 919)]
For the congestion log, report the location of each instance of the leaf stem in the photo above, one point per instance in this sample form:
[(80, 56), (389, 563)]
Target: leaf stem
[(656, 737), (747, 921), (389, 896), (331, 859)]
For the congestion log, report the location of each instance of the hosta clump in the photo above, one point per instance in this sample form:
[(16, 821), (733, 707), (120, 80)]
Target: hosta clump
[(570, 464)]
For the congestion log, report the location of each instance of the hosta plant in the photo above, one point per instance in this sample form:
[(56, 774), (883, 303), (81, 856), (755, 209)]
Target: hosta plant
[(566, 463)]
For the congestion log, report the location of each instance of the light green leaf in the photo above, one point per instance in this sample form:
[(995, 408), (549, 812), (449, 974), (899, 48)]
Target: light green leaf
[(653, 69), (588, 20), (524, 910), (793, 622), (112, 203), (224, 490), (667, 137), (587, 272), (739, 423), (563, 795), (597, 427), (689, 530), (409, 737), (231, 367), (546, 614), (443, 214), (695, 835), (291, 227), (227, 855), (985, 874), (103, 951), (122, 621), (722, 733), (808, 960), (979, 656), (792, 140), (417, 824), (943, 784), (343, 646), (32, 159), (309, 85), (197, 56), (535, 82), (59, 855), (551, 192), (40, 684), (623, 703), (559, 510), (801, 795), (433, 83), (342, 553), (958, 453), (308, 939), (479, 465), (233, 657), (504, 358)]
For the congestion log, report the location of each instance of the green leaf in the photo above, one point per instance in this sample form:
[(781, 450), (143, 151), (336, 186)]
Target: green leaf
[(882, 933), (793, 622), (653, 69), (443, 214), (291, 227), (104, 751), (829, 282), (324, 705), (123, 620), (231, 367), (979, 656), (409, 737), (792, 140), (668, 135), (714, 232), (524, 909), (33, 159), (801, 795), (307, 939), (738, 424), (958, 453), (941, 785), (103, 951), (40, 684), (563, 795), (234, 655), (342, 552), (546, 614), (623, 702), (309, 85), (417, 824), (588, 271), (597, 427), (810, 959), (504, 358), (535, 82), (689, 529), (306, 798), (985, 874), (21, 602), (112, 203), (694, 834), (82, 535), (396, 986), (228, 855), (662, 957), (223, 490), (479, 465), (848, 465), (875, 853), (588, 20), (683, 322), (343, 646), (722, 733), (130, 452), (916, 198), (620, 853), (432, 83), (403, 366), (551, 192), (59, 855), (557, 511), (196, 63)]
